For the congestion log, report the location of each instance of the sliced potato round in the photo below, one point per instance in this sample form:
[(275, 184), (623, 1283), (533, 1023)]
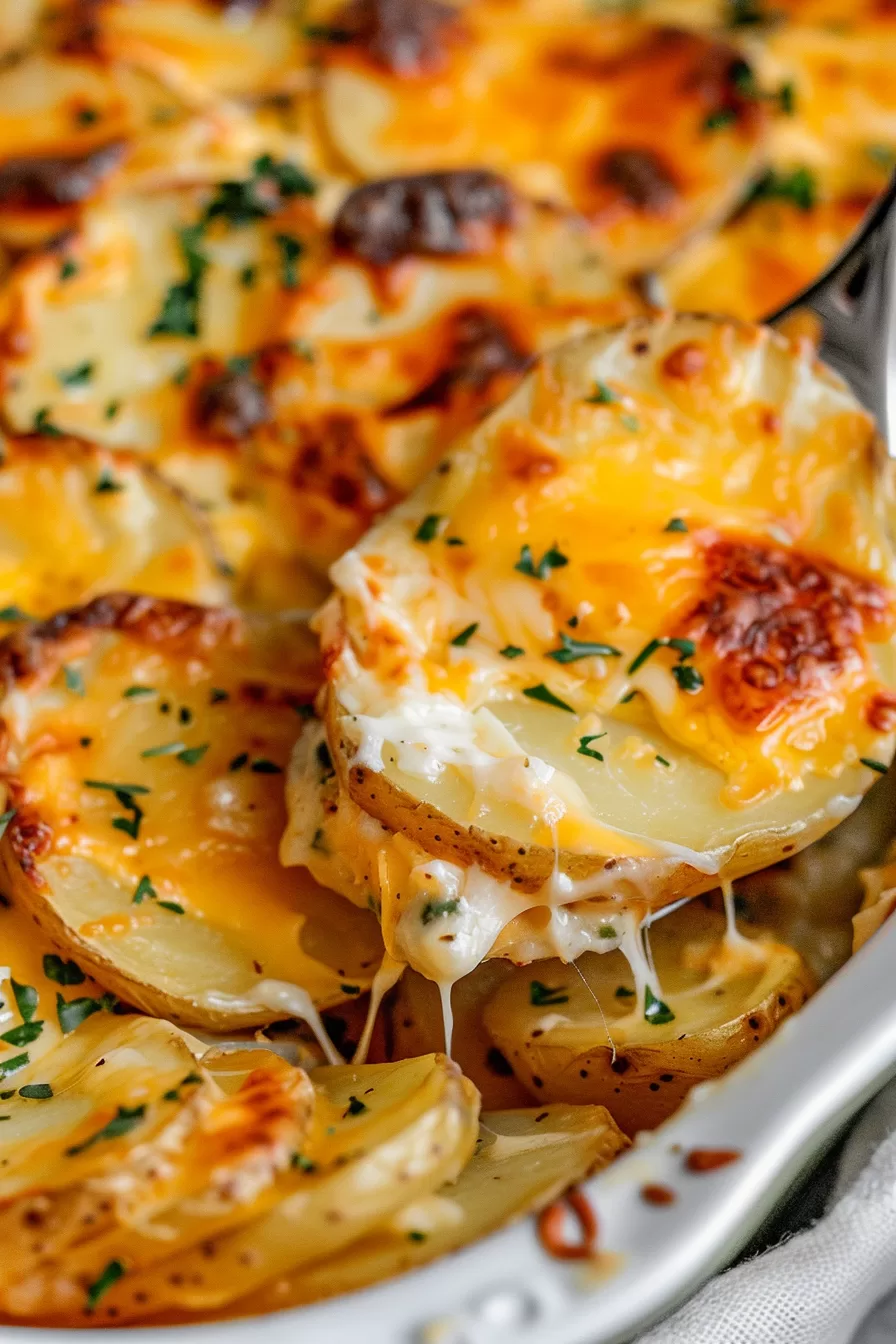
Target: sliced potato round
[(328, 1208), (645, 130), (221, 1171), (593, 1034), (523, 1161), (115, 523), (609, 634), (144, 750)]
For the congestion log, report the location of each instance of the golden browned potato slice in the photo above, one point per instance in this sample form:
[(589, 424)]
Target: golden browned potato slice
[(631, 637), (242, 48), (17, 24), (219, 1166), (270, 368), (523, 1161), (593, 1034), (144, 749), (77, 520), (423, 1140), (651, 132)]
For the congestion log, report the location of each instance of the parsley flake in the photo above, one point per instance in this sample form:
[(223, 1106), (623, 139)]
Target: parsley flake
[(439, 909), (193, 755), (138, 692), (72, 1012), (688, 678), (13, 1064), (107, 484), (36, 1091), (74, 682), (44, 425), (623, 992), (585, 749), (874, 765), (428, 528), (676, 525), (179, 315), (145, 891), (13, 613), (355, 1107), (5, 818), (571, 650), (125, 1119), (110, 1275), (547, 697), (26, 1002), (290, 250), (602, 395), (62, 972), (685, 648), (656, 1012), (461, 640), (798, 187), (22, 1035), (511, 651), (551, 560), (543, 996)]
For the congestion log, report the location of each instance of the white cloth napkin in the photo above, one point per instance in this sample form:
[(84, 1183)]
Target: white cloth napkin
[(819, 1286)]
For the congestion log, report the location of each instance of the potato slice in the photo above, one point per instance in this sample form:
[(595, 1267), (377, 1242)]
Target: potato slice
[(523, 1161), (431, 1137), (502, 686), (145, 743), (645, 130), (592, 1034), (113, 523), (222, 1171)]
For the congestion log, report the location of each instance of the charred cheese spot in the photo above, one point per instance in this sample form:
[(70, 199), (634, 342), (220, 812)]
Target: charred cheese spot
[(430, 214), (480, 350), (332, 460), (782, 627), (637, 178), (229, 405), (39, 183), (406, 37)]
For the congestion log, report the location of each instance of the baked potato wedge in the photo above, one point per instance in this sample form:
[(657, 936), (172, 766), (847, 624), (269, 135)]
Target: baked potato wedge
[(644, 130), (591, 1034), (144, 749), (221, 1167), (524, 1159), (574, 660), (115, 524), (431, 1135)]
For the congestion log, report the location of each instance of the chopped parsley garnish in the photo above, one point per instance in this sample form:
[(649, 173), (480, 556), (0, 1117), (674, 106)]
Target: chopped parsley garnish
[(439, 909), (107, 484), (22, 1035), (661, 760), (606, 931), (174, 906), (543, 996), (13, 1064), (350, 989), (248, 276), (551, 560), (26, 1002), (627, 699), (129, 825), (138, 692), (5, 818), (786, 98), (74, 682), (125, 1119), (874, 765), (630, 422), (111, 410), (718, 120), (547, 697), (265, 767), (36, 1091), (656, 1012), (799, 187), (571, 650), (428, 528), (688, 678), (216, 696), (455, 541), (317, 841), (676, 525), (355, 1107), (79, 376), (145, 891), (261, 195), (602, 395), (239, 761), (585, 749), (623, 992), (115, 788), (13, 613), (685, 648), (414, 1235), (299, 1162), (173, 1093), (110, 1275), (72, 1012), (44, 425), (62, 972), (290, 251), (166, 749), (68, 269), (193, 755), (460, 640), (512, 651), (180, 309)]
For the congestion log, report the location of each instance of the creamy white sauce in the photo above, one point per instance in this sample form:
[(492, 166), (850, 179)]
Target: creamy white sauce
[(278, 996)]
